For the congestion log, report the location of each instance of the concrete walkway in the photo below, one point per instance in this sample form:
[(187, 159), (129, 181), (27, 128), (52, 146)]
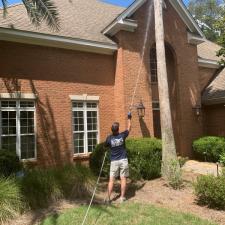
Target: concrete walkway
[(203, 168)]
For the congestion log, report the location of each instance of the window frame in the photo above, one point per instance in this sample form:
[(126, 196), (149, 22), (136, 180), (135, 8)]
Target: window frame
[(85, 109), (155, 108), (18, 134)]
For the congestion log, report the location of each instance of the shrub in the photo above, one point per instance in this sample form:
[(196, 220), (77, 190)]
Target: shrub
[(210, 190), (11, 203), (175, 175), (44, 186), (96, 160), (222, 159), (144, 156), (9, 163), (209, 147)]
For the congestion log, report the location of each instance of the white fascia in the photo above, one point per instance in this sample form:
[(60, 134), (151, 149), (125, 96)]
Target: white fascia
[(126, 25), (213, 64), (186, 17), (27, 37), (194, 39), (115, 26)]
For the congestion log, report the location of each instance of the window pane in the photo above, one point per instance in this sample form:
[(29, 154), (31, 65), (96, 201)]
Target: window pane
[(8, 104), (26, 122), (27, 147), (92, 120), (91, 105), (78, 121), (9, 143), (78, 143), (78, 104), (26, 104), (155, 105), (92, 141), (8, 122)]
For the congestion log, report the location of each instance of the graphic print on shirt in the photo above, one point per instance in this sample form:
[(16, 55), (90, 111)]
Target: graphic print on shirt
[(116, 142)]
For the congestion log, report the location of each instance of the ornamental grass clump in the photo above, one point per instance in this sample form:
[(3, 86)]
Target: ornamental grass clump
[(11, 199), (41, 187)]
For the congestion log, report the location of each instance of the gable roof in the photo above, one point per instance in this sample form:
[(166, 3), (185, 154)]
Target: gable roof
[(178, 5), (215, 92)]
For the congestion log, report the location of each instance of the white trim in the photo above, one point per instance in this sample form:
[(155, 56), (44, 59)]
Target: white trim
[(18, 134), (208, 63), (84, 97), (186, 17), (85, 109), (27, 37), (195, 40), (18, 95), (112, 28)]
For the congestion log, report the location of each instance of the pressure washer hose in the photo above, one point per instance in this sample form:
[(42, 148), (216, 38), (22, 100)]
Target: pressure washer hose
[(93, 195)]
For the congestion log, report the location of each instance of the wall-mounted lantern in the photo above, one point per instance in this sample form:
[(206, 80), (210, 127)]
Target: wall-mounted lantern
[(140, 109), (197, 109)]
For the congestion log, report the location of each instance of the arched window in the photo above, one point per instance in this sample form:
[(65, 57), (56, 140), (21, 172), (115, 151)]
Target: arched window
[(153, 64)]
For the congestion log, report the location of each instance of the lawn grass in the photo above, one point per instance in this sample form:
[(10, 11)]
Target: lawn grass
[(124, 214)]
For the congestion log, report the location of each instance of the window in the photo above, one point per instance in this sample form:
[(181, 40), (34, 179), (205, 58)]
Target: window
[(18, 127), (153, 64), (85, 126), (156, 119)]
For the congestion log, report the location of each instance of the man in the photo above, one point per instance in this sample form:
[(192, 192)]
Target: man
[(118, 157)]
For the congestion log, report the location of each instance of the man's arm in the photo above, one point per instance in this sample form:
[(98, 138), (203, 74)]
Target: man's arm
[(129, 116)]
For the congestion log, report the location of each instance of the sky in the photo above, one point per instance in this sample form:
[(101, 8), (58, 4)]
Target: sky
[(123, 3)]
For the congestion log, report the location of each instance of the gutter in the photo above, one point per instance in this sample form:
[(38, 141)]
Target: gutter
[(33, 38), (208, 63)]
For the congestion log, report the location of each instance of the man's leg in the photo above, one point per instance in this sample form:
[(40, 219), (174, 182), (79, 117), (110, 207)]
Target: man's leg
[(110, 186), (123, 182), (124, 173)]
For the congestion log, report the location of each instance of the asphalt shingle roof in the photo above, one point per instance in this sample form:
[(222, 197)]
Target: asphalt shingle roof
[(83, 19), (215, 92)]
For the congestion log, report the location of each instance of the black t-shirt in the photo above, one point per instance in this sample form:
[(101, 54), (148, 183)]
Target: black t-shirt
[(117, 146)]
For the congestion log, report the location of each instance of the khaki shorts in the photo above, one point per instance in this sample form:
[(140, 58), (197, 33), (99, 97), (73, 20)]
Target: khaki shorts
[(119, 168)]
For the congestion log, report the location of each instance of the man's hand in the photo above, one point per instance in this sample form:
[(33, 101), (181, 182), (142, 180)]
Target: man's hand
[(129, 116)]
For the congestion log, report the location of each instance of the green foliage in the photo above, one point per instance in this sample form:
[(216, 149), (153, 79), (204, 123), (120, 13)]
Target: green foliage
[(9, 163), (207, 13), (210, 191), (209, 147), (144, 155), (222, 159), (44, 186), (96, 160), (39, 11), (182, 160), (175, 175), (11, 203)]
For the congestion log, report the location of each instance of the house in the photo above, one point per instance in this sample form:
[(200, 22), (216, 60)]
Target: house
[(61, 90)]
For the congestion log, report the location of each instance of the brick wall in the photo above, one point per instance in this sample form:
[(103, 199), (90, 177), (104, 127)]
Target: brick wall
[(186, 77), (54, 74), (214, 120)]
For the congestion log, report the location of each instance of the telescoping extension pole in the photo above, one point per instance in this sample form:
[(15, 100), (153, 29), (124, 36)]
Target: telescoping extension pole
[(93, 195)]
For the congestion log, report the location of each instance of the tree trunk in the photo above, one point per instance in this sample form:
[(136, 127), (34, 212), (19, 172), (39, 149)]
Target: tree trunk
[(168, 142)]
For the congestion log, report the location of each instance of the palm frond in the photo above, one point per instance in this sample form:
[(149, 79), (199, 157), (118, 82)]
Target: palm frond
[(48, 12), (4, 4), (32, 12)]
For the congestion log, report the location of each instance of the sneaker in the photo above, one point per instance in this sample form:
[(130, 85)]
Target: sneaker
[(122, 199)]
